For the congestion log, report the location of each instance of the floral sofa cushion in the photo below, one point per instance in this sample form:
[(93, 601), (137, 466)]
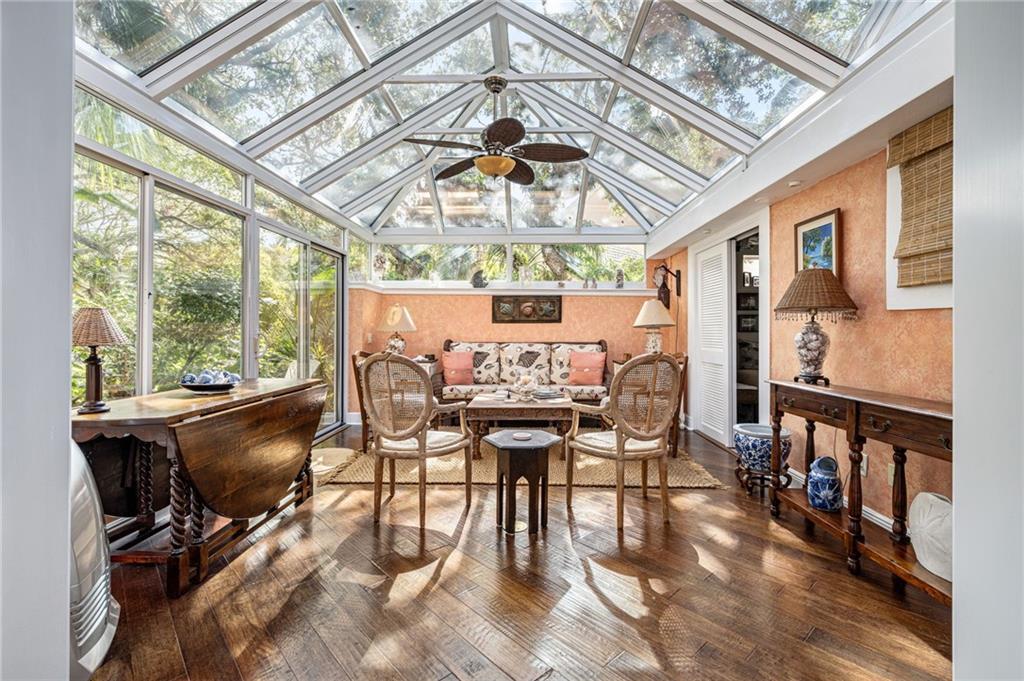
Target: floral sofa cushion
[(584, 392), (468, 392), (518, 359), (485, 361), (560, 353)]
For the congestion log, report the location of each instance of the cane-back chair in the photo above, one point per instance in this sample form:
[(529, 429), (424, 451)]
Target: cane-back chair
[(640, 408), (400, 405)]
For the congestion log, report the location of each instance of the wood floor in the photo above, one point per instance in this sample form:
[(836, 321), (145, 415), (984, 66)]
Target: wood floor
[(724, 592)]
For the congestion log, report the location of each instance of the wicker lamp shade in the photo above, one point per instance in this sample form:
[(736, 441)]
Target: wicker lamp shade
[(815, 292), (93, 327)]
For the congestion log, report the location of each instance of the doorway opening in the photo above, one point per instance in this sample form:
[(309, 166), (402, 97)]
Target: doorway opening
[(748, 334)]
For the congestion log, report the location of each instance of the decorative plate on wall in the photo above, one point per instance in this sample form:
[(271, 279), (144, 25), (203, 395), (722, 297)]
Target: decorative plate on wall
[(526, 309)]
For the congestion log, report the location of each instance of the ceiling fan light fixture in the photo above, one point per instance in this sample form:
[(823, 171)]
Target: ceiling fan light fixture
[(494, 166)]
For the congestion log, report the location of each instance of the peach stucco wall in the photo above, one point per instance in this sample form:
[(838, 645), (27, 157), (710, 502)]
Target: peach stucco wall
[(908, 352), (468, 317)]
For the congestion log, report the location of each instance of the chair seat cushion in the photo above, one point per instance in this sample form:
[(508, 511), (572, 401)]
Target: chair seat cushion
[(436, 439), (470, 390), (605, 440)]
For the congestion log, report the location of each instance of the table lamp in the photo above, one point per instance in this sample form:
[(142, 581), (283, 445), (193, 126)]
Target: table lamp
[(397, 320), (653, 317), (814, 292), (91, 328)]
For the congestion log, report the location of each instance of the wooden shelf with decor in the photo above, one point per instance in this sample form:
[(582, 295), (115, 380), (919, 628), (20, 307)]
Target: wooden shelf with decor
[(905, 423)]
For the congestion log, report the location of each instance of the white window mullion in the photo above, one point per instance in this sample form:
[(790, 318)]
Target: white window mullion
[(250, 284), (147, 226)]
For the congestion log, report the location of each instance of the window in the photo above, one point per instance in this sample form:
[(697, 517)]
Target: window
[(287, 212), (281, 276), (833, 25), (111, 127), (605, 23), (358, 259), (197, 289), (105, 267), (442, 262), (383, 25), (576, 262), (552, 201), (323, 328), (602, 210)]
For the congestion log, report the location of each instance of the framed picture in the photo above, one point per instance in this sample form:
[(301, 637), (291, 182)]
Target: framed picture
[(748, 322), (817, 242), (746, 301), (526, 309)]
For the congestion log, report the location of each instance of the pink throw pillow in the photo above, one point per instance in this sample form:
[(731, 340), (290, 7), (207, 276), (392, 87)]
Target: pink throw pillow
[(458, 368), (586, 368)]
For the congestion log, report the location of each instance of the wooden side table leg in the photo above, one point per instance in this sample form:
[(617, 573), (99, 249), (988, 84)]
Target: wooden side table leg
[(899, 496), (145, 484), (856, 501), (178, 561), (562, 428), (776, 460), (500, 501), (809, 456), (476, 429), (510, 505), (544, 498), (198, 550)]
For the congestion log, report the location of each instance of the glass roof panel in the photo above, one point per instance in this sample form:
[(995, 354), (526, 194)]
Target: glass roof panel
[(640, 172), (384, 25), (369, 215), (140, 33), (517, 108), (370, 175), (602, 210), (606, 23), (471, 200), (551, 201), (668, 134), (718, 73), (273, 76), (529, 55), (653, 216), (416, 210), (331, 138), (411, 97), (833, 25), (472, 53)]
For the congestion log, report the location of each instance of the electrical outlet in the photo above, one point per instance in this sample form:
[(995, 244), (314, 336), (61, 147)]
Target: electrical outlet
[(369, 338), (892, 473), (864, 465)]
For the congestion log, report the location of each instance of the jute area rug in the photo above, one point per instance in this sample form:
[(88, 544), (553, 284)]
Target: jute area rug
[(343, 466)]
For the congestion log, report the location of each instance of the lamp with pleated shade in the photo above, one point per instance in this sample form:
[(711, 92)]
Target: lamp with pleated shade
[(397, 320), (814, 292), (93, 327), (653, 317)]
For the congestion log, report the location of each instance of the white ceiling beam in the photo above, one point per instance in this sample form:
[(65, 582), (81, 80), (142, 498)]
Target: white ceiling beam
[(510, 76), (373, 147), (635, 81), (628, 206), (642, 151), (496, 236), (636, 31), (542, 130), (359, 85), (780, 47), (220, 44)]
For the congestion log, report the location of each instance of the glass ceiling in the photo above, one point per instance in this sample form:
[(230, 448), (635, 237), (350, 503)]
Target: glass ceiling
[(650, 151)]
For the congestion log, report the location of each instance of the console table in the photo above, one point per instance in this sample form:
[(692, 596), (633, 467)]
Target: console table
[(905, 423)]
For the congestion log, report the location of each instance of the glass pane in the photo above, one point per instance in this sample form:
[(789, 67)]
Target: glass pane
[(270, 78), (323, 328), (551, 201), (277, 207), (576, 262), (370, 175), (471, 200), (529, 55), (833, 25), (517, 108), (472, 53), (105, 268), (606, 23), (197, 289), (602, 210), (139, 33), (640, 172), (653, 216), (358, 259), (442, 262), (383, 25), (111, 127), (280, 292), (331, 138), (369, 215), (668, 134), (416, 210), (411, 97), (718, 73)]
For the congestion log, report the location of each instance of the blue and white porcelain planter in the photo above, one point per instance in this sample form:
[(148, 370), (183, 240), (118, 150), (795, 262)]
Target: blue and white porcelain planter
[(753, 443), (824, 486)]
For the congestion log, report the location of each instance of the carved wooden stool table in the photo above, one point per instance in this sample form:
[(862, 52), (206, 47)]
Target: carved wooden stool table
[(522, 459)]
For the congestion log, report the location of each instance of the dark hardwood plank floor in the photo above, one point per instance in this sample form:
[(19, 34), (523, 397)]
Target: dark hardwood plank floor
[(723, 592)]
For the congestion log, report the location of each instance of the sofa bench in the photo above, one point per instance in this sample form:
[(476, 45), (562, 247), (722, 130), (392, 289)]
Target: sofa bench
[(495, 364)]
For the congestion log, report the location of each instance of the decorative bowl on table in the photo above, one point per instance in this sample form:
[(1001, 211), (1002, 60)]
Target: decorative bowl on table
[(524, 386), (210, 381)]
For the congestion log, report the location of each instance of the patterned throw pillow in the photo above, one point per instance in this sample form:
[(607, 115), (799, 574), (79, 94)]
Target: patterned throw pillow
[(586, 368), (485, 360), (560, 359), (458, 368), (518, 359)]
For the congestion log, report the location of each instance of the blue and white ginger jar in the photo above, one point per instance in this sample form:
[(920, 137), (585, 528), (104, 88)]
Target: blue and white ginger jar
[(753, 442), (824, 486)]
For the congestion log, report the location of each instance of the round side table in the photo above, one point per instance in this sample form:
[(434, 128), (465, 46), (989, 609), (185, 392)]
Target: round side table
[(522, 459)]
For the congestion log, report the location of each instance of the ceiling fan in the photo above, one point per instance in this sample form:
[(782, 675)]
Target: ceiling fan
[(501, 154)]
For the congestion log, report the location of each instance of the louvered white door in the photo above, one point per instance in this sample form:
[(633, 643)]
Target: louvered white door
[(713, 339)]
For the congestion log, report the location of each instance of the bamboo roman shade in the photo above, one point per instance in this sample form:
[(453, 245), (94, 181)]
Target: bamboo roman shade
[(924, 154)]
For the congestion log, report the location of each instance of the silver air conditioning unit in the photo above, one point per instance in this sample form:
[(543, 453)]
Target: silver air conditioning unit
[(94, 612)]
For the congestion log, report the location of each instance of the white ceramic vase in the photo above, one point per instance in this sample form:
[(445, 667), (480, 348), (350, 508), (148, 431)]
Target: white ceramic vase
[(931, 532)]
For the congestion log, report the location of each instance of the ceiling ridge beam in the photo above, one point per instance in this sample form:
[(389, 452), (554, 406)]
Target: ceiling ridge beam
[(642, 151), (220, 44), (542, 130), (762, 37), (632, 79), (510, 76), (373, 147), (360, 84)]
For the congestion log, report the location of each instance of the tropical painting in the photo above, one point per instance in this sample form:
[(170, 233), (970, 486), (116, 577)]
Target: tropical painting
[(817, 242)]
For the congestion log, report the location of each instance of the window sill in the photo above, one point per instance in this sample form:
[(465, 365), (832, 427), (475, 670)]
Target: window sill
[(504, 289)]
